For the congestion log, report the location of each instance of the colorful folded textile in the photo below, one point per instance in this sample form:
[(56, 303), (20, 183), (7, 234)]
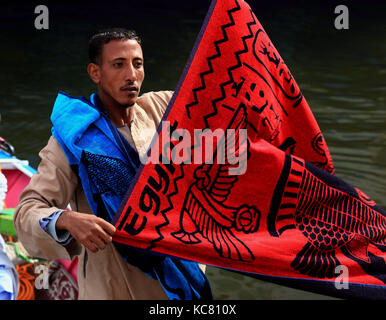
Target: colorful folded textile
[(59, 284), (264, 199)]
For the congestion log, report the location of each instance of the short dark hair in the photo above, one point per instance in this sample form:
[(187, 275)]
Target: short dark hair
[(98, 40)]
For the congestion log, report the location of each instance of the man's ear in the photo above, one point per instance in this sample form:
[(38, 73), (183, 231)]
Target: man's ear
[(94, 72)]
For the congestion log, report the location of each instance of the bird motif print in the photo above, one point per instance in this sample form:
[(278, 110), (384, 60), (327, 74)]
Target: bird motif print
[(205, 211)]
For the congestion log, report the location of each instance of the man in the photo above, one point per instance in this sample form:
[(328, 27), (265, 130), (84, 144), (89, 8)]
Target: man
[(89, 139)]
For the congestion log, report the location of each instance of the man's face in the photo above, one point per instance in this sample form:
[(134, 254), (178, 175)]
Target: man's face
[(121, 72)]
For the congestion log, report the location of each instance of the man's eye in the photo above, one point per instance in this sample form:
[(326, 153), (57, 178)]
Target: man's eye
[(138, 64), (118, 64)]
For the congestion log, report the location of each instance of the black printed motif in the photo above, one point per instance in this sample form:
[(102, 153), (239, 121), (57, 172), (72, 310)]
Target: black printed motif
[(205, 211), (332, 216), (318, 144)]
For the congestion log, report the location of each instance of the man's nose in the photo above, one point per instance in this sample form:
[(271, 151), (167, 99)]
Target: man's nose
[(130, 74)]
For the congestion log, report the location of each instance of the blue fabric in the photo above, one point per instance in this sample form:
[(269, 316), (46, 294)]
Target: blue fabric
[(106, 165), (6, 295), (48, 224), (6, 284), (9, 279)]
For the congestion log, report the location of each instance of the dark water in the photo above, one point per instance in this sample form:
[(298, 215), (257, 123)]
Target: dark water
[(342, 74)]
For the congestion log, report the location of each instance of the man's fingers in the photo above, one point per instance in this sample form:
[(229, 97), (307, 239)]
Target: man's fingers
[(108, 227), (91, 246), (103, 236), (98, 242), (95, 243), (93, 232)]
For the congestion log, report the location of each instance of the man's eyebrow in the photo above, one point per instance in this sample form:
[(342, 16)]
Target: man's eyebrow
[(121, 58), (115, 59)]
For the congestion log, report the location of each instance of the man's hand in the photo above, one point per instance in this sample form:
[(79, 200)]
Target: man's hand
[(91, 231)]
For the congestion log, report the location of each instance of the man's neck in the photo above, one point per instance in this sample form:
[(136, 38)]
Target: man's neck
[(119, 115)]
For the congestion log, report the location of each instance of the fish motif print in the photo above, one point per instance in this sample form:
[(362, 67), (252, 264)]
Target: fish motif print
[(332, 216)]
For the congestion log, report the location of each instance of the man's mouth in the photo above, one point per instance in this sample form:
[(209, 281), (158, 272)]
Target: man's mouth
[(130, 89)]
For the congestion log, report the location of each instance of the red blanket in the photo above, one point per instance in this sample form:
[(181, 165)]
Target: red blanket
[(251, 184)]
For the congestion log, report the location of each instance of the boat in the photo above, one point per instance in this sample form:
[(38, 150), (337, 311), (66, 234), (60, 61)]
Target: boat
[(18, 174), (39, 279)]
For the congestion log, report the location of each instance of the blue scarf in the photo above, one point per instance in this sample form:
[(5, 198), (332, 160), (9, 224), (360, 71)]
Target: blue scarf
[(106, 165)]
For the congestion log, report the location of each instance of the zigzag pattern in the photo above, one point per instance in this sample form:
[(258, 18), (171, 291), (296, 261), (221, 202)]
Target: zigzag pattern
[(211, 58), (164, 211), (202, 87), (229, 70)]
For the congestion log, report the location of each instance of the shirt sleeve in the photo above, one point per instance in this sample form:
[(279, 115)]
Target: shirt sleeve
[(51, 189), (49, 225)]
